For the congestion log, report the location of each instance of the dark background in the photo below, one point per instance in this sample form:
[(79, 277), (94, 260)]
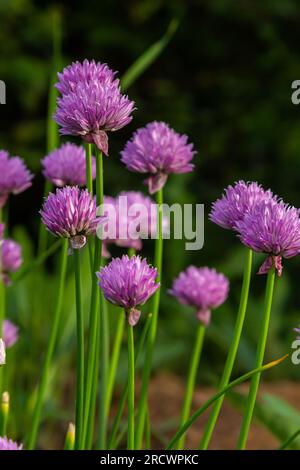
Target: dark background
[(225, 80)]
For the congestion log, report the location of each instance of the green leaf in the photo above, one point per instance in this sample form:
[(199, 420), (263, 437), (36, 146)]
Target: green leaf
[(148, 57), (278, 416)]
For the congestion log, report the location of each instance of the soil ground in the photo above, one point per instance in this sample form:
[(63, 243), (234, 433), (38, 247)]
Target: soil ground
[(166, 392)]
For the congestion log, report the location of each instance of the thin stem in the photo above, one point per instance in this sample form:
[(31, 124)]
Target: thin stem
[(122, 401), (91, 423), (105, 366), (148, 430), (259, 360), (94, 311), (220, 393), (211, 422), (80, 353), (4, 413), (88, 162), (191, 379), (89, 185), (142, 407), (130, 400), (289, 440), (50, 349), (2, 287), (2, 302), (115, 358)]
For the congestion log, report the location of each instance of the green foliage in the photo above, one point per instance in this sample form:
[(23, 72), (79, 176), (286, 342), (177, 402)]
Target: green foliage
[(225, 80)]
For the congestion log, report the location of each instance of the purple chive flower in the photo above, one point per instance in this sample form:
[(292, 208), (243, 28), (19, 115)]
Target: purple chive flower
[(273, 228), (236, 202), (1, 231), (2, 352), (8, 444), (297, 331), (85, 72), (14, 176), (67, 166), (10, 333), (71, 213), (158, 151), (94, 107), (128, 282), (203, 288), (132, 216), (11, 253)]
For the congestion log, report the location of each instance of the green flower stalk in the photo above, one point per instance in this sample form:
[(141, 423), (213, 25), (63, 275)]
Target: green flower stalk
[(50, 348), (4, 413), (129, 282), (259, 360), (122, 401), (204, 289), (191, 380), (213, 417), (142, 406), (115, 358), (130, 400), (272, 227), (80, 353), (89, 171), (156, 151), (90, 391)]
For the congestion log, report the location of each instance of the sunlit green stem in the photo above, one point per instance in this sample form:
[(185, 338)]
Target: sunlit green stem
[(130, 400), (142, 407), (4, 413), (50, 348), (192, 374), (80, 353), (211, 422), (95, 304), (122, 401), (220, 393), (259, 360), (89, 176)]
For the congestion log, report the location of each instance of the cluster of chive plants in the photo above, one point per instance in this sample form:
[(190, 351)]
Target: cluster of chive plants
[(91, 106)]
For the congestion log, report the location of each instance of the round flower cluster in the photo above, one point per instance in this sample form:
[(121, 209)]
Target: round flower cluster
[(263, 222), (71, 213), (14, 176), (92, 103), (129, 283), (203, 288), (67, 166), (157, 150)]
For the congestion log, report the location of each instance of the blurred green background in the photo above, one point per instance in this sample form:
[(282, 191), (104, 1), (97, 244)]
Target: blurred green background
[(225, 80)]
